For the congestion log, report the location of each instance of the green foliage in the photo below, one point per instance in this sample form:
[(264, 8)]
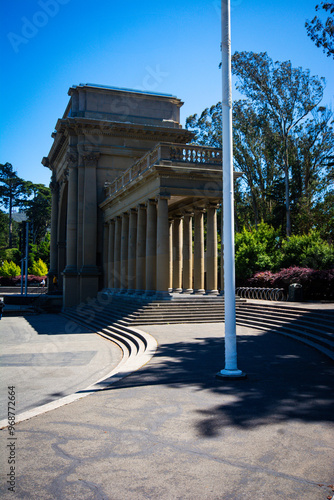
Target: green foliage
[(9, 269), (262, 250), (321, 31), (307, 250), (38, 268), (39, 211), (255, 250), (11, 254), (283, 143), (14, 191)]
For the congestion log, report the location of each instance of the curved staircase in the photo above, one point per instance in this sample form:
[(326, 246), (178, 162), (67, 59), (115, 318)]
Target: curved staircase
[(117, 318)]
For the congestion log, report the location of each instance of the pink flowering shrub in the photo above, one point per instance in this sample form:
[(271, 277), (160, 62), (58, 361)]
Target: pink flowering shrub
[(32, 280), (316, 284)]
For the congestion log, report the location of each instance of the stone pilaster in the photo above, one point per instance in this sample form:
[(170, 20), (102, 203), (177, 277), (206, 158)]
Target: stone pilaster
[(199, 252), (111, 248), (187, 253), (105, 254), (54, 232), (162, 246), (141, 249), (177, 254), (151, 247), (117, 253), (211, 250), (70, 274), (170, 281), (132, 250), (124, 251), (89, 273)]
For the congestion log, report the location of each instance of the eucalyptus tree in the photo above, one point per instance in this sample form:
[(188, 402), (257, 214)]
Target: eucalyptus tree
[(285, 94), (14, 191), (321, 31)]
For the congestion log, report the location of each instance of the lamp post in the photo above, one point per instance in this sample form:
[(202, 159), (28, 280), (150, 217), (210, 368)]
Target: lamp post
[(231, 370)]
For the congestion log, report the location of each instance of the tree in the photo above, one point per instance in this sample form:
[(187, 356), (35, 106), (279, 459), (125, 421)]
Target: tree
[(13, 193), (39, 211), (285, 94), (311, 163), (255, 146), (322, 32)]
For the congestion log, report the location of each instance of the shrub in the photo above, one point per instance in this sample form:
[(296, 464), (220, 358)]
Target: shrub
[(9, 269), (255, 250), (307, 251), (316, 284), (39, 268)]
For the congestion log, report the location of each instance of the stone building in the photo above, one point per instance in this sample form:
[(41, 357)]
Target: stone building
[(129, 197)]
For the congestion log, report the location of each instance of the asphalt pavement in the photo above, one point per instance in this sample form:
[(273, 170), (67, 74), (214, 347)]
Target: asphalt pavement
[(171, 430)]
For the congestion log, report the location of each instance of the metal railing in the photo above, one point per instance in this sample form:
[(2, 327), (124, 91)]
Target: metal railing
[(277, 294), (174, 153)]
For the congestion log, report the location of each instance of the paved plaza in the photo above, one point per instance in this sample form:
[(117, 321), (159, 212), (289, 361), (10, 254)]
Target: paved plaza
[(171, 430)]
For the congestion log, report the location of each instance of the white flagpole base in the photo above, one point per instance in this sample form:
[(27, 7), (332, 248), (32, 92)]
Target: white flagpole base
[(235, 374)]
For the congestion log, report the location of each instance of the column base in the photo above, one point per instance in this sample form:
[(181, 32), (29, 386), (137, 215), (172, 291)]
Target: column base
[(231, 374), (187, 290), (177, 290), (89, 282), (71, 288), (211, 292), (199, 291), (163, 295)]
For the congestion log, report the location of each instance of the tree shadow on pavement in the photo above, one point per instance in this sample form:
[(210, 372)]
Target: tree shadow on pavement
[(286, 380)]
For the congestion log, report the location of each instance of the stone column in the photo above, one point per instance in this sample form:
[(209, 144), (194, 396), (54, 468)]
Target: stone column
[(199, 252), (177, 254), (124, 251), (89, 273), (111, 248), (211, 250), (141, 250), (162, 247), (105, 254), (71, 283), (117, 253), (54, 232), (222, 279), (187, 253), (151, 247), (170, 282), (132, 251)]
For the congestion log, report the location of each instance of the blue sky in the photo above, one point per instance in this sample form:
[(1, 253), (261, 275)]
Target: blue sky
[(171, 47)]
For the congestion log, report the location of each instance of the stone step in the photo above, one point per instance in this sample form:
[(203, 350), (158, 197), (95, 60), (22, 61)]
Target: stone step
[(307, 337), (314, 314), (301, 322)]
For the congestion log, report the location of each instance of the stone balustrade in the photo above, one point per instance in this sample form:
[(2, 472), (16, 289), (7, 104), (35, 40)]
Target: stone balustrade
[(197, 156)]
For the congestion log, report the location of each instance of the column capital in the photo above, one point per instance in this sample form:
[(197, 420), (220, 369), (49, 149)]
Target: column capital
[(178, 216), (162, 196), (72, 159), (90, 158), (188, 213), (110, 222), (199, 210), (212, 205), (54, 186), (151, 201)]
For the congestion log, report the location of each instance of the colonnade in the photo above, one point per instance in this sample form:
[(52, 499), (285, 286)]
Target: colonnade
[(153, 252)]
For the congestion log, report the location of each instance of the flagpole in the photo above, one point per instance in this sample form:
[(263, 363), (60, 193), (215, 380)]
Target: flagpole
[(231, 369)]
